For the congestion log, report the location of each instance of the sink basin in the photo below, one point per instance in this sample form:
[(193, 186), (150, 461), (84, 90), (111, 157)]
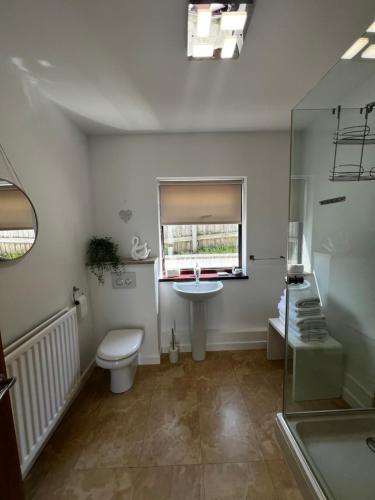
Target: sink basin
[(198, 291), (197, 294)]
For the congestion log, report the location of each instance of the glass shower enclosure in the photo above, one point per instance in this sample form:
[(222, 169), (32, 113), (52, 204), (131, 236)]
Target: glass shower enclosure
[(329, 306)]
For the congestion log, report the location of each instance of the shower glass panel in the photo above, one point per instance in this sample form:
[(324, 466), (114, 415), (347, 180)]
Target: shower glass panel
[(330, 317)]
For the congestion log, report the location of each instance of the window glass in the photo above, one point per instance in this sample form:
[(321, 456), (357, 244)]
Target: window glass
[(208, 245)]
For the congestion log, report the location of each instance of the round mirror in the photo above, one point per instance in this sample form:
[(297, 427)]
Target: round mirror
[(18, 222)]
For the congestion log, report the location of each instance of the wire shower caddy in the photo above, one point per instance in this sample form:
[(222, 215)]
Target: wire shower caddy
[(359, 135)]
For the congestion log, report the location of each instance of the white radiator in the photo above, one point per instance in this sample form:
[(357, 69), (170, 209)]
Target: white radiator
[(46, 365)]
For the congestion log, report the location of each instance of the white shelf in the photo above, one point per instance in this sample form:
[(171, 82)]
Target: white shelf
[(317, 366), (297, 343)]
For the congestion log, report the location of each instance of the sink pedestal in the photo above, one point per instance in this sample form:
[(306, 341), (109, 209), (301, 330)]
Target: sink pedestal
[(197, 294), (198, 330)]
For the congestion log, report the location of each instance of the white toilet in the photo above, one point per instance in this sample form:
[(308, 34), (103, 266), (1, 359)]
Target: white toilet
[(118, 352)]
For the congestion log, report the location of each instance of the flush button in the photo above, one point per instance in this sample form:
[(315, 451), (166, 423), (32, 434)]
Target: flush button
[(124, 280)]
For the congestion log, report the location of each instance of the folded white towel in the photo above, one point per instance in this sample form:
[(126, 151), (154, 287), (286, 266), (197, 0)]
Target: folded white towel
[(305, 313), (301, 299), (308, 328), (305, 333), (295, 313), (310, 320), (303, 308), (307, 302), (312, 326), (281, 306), (319, 326), (313, 338), (297, 308), (309, 336)]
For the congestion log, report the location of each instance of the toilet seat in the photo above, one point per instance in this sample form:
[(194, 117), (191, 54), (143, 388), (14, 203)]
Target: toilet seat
[(119, 363), (119, 345)]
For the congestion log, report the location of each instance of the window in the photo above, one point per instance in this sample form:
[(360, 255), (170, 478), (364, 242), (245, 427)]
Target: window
[(201, 223), (208, 245), (296, 218), (295, 241)]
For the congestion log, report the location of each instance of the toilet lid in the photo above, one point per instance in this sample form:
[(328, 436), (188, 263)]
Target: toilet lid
[(119, 344)]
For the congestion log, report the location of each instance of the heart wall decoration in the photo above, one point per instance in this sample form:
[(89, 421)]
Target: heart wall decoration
[(125, 215)]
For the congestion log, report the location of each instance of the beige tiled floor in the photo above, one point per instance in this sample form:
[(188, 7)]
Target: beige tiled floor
[(188, 431)]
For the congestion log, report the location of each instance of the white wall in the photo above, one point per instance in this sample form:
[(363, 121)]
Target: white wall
[(50, 156), (341, 247), (125, 169)]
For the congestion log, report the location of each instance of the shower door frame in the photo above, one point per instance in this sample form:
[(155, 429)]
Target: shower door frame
[(313, 487)]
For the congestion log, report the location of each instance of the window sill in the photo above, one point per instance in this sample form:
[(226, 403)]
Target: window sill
[(206, 277)]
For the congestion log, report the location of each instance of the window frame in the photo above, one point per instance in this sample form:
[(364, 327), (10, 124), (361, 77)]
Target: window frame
[(242, 239)]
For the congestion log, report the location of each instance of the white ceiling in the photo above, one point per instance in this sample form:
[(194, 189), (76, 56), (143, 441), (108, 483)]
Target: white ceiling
[(348, 84), (121, 65)]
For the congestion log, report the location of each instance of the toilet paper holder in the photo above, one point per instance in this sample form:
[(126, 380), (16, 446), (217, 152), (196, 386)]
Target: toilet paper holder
[(76, 294)]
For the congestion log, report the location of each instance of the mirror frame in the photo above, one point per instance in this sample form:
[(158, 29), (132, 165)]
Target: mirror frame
[(9, 261)]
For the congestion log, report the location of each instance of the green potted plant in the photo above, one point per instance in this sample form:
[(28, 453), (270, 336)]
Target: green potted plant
[(102, 256)]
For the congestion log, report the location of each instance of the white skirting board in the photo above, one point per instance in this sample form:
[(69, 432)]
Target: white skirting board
[(221, 340), (85, 375), (149, 360), (355, 393)]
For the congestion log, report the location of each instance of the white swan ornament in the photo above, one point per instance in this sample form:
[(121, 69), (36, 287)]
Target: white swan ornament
[(139, 251)]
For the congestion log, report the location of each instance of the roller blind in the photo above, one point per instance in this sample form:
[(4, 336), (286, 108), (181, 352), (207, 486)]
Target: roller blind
[(200, 202), (15, 210)]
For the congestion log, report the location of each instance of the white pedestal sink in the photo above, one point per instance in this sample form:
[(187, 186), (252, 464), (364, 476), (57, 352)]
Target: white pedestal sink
[(197, 294)]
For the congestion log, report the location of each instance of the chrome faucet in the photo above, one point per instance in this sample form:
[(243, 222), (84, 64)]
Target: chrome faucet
[(197, 273)]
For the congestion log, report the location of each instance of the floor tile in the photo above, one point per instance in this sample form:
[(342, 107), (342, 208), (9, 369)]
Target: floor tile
[(227, 433), (116, 437), (149, 483), (265, 430), (133, 400), (147, 377), (250, 364), (172, 434), (97, 484), (283, 481), (238, 481), (215, 370), (152, 441), (59, 456), (167, 374), (40, 484), (260, 397), (187, 483), (177, 375), (89, 398), (161, 483)]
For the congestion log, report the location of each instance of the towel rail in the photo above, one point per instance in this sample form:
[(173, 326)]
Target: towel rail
[(253, 258)]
